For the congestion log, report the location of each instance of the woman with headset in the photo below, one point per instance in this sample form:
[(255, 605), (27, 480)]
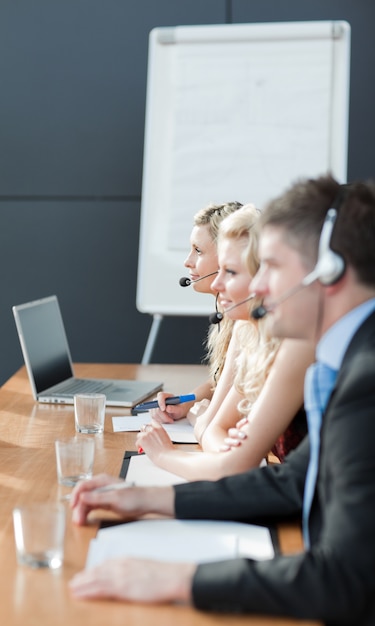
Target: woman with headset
[(267, 389), (202, 263)]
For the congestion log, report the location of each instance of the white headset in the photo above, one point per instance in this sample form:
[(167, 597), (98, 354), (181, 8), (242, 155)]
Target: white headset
[(330, 266)]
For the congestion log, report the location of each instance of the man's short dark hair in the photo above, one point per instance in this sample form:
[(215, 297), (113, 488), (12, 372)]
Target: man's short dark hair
[(301, 212)]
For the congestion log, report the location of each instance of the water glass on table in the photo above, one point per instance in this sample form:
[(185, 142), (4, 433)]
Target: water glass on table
[(39, 532), (89, 412), (74, 459)]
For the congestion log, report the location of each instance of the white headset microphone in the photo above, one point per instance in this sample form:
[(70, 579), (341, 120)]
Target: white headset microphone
[(329, 268), (185, 281)]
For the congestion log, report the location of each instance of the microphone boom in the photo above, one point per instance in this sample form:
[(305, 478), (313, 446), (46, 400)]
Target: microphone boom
[(216, 318), (185, 281), (262, 311)]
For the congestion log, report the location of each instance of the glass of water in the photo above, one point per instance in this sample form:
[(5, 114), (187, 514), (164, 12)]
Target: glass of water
[(39, 532), (74, 459)]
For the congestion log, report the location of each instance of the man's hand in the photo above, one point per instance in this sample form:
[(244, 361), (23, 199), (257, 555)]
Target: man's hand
[(136, 580), (129, 502)]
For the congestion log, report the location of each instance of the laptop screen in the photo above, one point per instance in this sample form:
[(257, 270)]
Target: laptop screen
[(43, 334)]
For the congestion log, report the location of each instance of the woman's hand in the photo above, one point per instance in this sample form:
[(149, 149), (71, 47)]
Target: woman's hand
[(154, 440), (169, 413), (236, 435), (197, 410)]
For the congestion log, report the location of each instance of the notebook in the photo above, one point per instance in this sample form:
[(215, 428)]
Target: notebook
[(49, 365)]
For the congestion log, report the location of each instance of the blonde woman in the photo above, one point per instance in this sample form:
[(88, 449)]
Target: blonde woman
[(268, 384), (202, 263)]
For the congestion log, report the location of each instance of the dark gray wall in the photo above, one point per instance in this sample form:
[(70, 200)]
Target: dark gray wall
[(72, 103)]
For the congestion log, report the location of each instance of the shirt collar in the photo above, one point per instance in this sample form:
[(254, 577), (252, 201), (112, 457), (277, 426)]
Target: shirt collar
[(334, 343)]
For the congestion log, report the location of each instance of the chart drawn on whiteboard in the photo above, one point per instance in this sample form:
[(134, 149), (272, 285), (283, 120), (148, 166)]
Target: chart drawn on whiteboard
[(234, 141)]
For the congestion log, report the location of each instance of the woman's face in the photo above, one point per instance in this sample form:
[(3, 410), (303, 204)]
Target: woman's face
[(233, 280), (202, 259)]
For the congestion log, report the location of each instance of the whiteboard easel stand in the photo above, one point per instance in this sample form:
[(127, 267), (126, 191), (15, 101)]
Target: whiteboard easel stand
[(156, 321)]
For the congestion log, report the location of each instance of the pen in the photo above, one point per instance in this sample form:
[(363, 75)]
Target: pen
[(153, 404), (113, 487), (110, 487)]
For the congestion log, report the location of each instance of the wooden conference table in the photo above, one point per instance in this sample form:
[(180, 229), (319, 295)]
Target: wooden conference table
[(28, 473)]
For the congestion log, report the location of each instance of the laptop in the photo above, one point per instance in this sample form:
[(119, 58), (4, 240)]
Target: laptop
[(49, 365)]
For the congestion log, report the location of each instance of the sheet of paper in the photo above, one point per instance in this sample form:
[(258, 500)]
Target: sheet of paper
[(142, 471), (195, 541), (179, 432), (146, 545)]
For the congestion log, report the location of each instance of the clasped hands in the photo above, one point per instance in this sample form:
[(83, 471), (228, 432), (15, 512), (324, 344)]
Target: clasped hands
[(154, 440)]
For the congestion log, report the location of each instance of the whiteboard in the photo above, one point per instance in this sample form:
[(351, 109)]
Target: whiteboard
[(233, 112)]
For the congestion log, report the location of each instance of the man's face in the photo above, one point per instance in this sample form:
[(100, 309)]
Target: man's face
[(282, 270)]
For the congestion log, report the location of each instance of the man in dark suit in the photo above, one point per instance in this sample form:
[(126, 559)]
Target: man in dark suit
[(317, 281)]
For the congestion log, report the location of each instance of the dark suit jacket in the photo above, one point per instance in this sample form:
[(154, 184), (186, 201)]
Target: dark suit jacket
[(335, 581)]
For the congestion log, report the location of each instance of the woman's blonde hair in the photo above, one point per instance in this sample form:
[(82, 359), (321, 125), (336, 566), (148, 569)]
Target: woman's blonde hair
[(256, 357), (240, 224), (213, 215), (257, 350)]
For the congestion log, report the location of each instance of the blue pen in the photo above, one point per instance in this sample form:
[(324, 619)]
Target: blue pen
[(153, 404)]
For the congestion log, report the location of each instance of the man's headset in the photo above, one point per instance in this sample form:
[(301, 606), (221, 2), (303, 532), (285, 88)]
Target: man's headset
[(330, 266)]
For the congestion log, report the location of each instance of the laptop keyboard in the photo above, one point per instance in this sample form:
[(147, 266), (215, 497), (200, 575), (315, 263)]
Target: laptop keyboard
[(85, 386)]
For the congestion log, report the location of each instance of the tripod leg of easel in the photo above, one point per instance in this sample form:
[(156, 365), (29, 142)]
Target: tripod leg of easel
[(157, 318)]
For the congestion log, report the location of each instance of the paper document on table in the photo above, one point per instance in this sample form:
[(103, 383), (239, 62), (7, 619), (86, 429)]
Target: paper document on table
[(142, 471), (196, 541), (180, 431)]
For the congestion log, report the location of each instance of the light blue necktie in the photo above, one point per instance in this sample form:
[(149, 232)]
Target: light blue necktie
[(319, 382)]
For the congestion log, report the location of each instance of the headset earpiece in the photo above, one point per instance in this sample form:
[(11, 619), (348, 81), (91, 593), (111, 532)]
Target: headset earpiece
[(330, 266)]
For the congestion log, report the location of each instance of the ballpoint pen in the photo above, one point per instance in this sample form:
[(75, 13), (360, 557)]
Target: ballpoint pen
[(153, 404), (113, 487), (110, 487)]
